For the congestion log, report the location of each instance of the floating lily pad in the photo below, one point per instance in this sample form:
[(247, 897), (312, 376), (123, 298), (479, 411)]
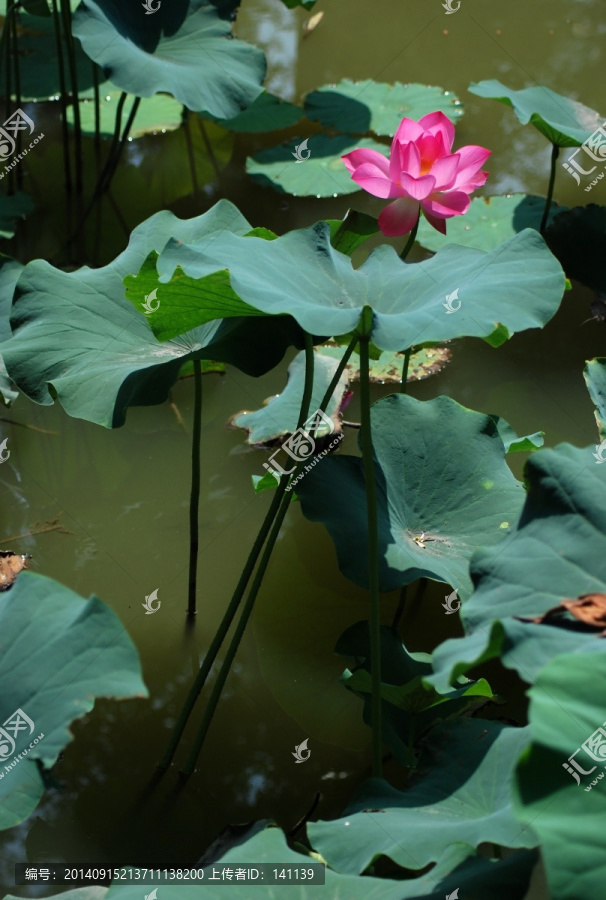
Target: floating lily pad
[(519, 285), (464, 796), (321, 174), (556, 551), (71, 651), (107, 357), (281, 414), (595, 379), (158, 113), (184, 49), (577, 237), (387, 369), (488, 222), (357, 107), (266, 113), (564, 122), (435, 506), (567, 705)]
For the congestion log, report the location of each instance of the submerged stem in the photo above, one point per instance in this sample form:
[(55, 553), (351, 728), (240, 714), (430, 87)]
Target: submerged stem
[(194, 497), (555, 152), (373, 558)]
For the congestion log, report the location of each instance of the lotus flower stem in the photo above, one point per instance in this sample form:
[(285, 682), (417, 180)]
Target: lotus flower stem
[(405, 364), (8, 28), (555, 152), (194, 497), (209, 148), (373, 558), (411, 240), (245, 576), (73, 75), (190, 150), (401, 604)]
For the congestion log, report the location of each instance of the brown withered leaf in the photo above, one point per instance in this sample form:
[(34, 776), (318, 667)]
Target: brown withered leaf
[(590, 609), (10, 566)]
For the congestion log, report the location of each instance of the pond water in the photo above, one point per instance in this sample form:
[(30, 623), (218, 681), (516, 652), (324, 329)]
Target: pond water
[(123, 495)]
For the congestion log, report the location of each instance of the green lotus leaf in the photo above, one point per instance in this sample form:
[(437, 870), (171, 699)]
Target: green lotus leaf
[(462, 793), (280, 415), (577, 238), (458, 867), (517, 286), (320, 171), (185, 49), (12, 208), (556, 551), (157, 113), (438, 500), (347, 234), (488, 222), (59, 652), (266, 113), (564, 122), (39, 71), (595, 379), (566, 718), (77, 337), (10, 270), (513, 442), (357, 107), (410, 706)]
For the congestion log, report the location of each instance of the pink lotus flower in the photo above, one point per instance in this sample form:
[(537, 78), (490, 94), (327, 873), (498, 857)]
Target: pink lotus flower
[(421, 173)]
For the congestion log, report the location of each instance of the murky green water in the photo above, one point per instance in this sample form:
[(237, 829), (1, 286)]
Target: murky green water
[(124, 494)]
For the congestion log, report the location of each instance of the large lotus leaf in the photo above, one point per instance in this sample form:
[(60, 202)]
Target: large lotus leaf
[(10, 270), (157, 113), (556, 552), (489, 222), (595, 379), (518, 285), (281, 415), (358, 107), (57, 653), (462, 793), (39, 70), (185, 50), (319, 174), (77, 334), (438, 500), (567, 703), (577, 237), (458, 868), (565, 122), (266, 113)]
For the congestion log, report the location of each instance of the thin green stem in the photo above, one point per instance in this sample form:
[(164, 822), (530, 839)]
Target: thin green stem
[(411, 239), (66, 16), (97, 96), (63, 101), (6, 28), (194, 497), (337, 376), (373, 558), (405, 364), (9, 63), (209, 148), (555, 152), (245, 576)]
